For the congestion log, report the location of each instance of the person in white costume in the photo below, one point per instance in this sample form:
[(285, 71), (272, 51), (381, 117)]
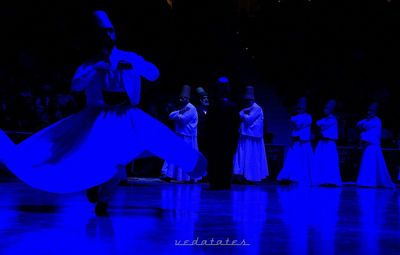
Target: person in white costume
[(250, 160), (326, 159), (298, 163), (185, 121), (373, 171), (88, 148)]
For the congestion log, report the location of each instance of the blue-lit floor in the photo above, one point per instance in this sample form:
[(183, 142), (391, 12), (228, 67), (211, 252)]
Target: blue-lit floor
[(150, 217)]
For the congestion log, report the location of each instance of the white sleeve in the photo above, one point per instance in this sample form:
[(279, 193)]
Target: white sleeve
[(361, 124), (82, 77), (185, 117), (252, 116), (304, 122), (174, 115), (372, 124), (326, 123), (144, 68)]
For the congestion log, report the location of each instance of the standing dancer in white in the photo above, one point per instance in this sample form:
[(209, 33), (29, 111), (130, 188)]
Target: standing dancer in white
[(185, 120), (373, 171), (250, 160), (326, 168), (298, 162)]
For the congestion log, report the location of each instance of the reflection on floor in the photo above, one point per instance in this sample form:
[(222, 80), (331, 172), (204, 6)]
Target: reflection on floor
[(151, 217)]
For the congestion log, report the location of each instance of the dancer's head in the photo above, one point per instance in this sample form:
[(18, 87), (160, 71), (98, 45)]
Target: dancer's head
[(184, 96), (373, 109), (223, 88), (106, 31), (248, 97), (330, 107), (203, 96), (301, 105)]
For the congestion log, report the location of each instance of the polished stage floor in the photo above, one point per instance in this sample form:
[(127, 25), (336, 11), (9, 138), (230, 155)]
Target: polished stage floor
[(151, 217)]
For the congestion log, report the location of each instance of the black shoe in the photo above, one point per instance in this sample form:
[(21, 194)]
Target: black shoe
[(123, 183), (165, 178), (92, 194), (247, 182), (203, 180), (220, 186), (285, 182), (240, 181), (101, 209), (328, 185)]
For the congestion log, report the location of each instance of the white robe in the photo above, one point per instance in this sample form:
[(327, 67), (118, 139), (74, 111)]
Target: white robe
[(326, 159), (299, 159), (373, 171), (250, 159), (87, 149), (185, 128)]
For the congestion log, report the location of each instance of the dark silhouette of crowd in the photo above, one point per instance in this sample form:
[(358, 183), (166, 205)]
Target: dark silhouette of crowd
[(343, 50)]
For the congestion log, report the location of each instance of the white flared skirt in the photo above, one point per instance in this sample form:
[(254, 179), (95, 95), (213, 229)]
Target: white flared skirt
[(298, 164), (175, 171), (86, 149), (373, 171), (250, 159), (326, 164)]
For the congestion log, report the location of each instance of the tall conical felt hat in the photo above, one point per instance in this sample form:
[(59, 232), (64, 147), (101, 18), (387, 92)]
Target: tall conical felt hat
[(302, 103), (248, 92), (185, 92), (102, 19), (373, 107), (331, 104), (201, 92)]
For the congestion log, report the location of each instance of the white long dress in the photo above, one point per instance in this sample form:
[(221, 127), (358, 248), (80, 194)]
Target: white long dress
[(86, 149), (185, 128), (326, 159), (250, 159), (373, 171), (299, 159)]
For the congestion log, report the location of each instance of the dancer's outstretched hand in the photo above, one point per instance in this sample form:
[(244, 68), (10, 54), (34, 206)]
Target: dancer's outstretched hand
[(102, 66), (124, 65)]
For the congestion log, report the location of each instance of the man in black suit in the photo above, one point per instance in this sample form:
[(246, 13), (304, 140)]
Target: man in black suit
[(202, 108), (221, 128)]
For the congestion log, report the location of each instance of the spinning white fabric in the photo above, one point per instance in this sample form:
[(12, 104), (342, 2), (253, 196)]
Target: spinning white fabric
[(85, 149)]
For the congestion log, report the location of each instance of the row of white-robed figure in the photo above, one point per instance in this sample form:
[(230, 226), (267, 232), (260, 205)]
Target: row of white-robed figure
[(88, 148), (320, 167), (250, 160), (58, 151), (302, 164)]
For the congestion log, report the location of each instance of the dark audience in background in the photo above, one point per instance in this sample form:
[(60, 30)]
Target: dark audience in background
[(324, 52)]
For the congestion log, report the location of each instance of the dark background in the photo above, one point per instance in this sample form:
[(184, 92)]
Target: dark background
[(347, 50)]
